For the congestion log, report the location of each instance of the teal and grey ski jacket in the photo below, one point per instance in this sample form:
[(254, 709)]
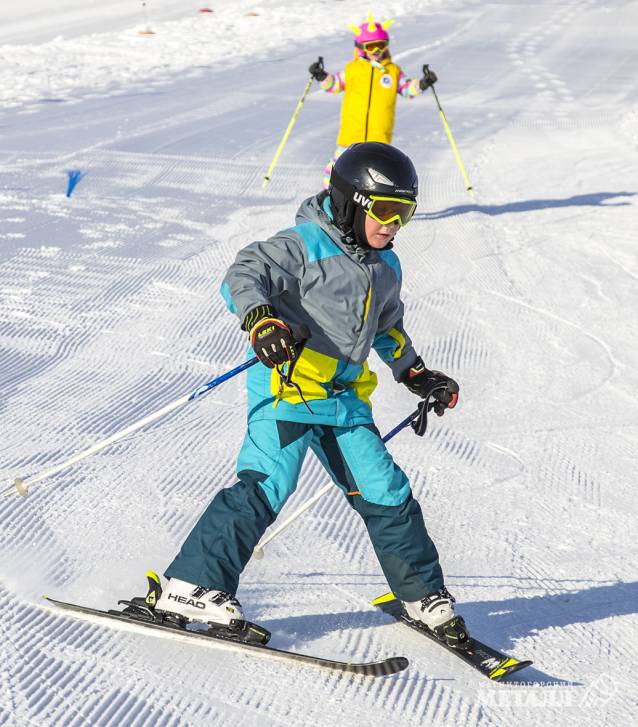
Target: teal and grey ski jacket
[(349, 299)]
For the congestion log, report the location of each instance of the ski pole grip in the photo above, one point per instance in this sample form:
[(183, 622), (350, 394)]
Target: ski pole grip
[(301, 335)]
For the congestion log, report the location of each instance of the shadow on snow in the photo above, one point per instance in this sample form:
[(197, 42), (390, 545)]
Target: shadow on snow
[(598, 199), (499, 623)]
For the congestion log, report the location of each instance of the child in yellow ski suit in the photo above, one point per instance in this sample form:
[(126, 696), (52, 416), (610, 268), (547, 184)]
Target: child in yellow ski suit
[(370, 83)]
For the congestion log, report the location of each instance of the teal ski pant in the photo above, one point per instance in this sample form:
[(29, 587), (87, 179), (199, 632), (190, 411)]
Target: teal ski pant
[(220, 545)]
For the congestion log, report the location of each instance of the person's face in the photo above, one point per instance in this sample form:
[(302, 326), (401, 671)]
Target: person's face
[(374, 51), (374, 55), (379, 235)]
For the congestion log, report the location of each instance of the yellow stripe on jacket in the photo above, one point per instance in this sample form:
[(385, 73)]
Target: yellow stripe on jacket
[(314, 374)]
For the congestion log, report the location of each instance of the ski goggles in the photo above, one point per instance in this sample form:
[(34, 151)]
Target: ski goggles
[(373, 46), (387, 210)]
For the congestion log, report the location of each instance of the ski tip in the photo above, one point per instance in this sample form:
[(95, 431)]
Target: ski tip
[(509, 666), (152, 575), (385, 598), (391, 665)]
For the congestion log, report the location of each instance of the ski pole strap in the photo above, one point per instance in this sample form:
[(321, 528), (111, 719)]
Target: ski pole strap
[(302, 336), (420, 419)]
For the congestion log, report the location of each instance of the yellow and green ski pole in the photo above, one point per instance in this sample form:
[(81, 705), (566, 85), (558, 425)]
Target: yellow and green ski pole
[(448, 131), (282, 143)]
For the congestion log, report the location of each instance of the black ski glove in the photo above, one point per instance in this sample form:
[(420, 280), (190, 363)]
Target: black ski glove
[(429, 78), (272, 340), (317, 71), (425, 383)]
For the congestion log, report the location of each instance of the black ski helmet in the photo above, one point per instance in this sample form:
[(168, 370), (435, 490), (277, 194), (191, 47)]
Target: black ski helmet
[(369, 167)]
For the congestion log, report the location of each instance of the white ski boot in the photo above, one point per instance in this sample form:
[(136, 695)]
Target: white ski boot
[(197, 603), (184, 605), (433, 610), (436, 612)]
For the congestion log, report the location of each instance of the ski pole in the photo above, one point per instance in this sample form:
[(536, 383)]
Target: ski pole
[(284, 139), (448, 131), (22, 484), (147, 30), (258, 551)]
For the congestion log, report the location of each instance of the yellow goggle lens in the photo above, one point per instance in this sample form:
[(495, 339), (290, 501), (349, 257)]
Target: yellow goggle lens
[(387, 210), (375, 45)]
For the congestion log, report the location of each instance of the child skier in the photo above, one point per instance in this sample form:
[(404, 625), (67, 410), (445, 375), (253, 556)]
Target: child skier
[(370, 84), (334, 273)]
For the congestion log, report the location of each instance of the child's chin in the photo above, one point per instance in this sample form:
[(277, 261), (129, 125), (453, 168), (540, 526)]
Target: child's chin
[(380, 244)]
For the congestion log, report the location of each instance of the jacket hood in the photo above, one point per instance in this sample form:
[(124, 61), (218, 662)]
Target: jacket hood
[(317, 210)]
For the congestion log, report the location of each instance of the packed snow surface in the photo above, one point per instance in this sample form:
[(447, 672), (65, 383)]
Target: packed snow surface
[(109, 310)]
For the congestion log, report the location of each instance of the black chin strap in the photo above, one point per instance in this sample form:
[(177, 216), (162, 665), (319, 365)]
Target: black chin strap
[(359, 228)]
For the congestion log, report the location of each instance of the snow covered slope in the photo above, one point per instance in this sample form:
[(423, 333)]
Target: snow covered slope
[(109, 309)]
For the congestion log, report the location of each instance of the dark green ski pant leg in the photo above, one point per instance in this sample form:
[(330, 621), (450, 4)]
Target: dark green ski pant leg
[(220, 545), (359, 462)]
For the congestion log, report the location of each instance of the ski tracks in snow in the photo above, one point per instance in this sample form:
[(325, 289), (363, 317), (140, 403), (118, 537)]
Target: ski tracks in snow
[(109, 310)]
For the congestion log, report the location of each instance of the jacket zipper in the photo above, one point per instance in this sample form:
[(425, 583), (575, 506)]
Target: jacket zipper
[(369, 101), (368, 274)]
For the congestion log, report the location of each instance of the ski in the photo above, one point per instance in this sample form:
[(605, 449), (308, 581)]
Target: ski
[(491, 663), (391, 665)]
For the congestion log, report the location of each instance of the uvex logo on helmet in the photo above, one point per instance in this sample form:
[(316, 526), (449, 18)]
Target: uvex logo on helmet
[(362, 200)]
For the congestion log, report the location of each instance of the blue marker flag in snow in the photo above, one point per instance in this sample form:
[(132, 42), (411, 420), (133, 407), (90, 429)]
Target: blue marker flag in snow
[(74, 177)]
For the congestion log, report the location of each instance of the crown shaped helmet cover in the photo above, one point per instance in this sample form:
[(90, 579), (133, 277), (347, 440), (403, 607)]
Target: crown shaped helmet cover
[(370, 30)]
